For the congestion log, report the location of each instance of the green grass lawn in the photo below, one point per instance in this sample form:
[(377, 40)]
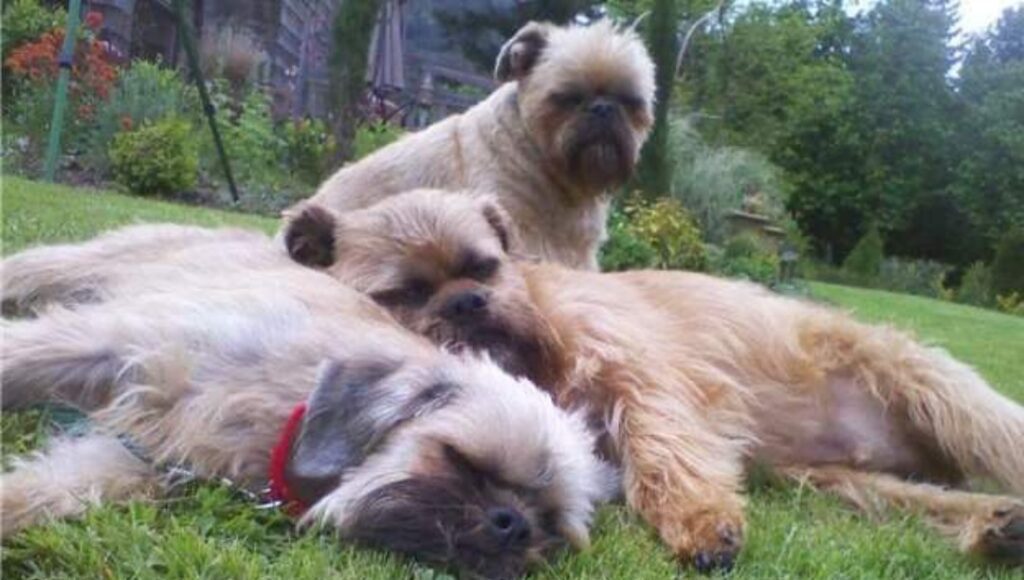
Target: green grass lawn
[(206, 531)]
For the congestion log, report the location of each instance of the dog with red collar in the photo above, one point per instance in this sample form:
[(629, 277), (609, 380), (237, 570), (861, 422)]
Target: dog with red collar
[(211, 349)]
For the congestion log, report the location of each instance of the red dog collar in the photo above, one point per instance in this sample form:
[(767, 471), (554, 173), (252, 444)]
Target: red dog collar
[(279, 463)]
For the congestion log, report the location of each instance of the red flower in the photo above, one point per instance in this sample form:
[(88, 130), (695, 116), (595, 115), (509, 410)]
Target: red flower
[(93, 20), (93, 72)]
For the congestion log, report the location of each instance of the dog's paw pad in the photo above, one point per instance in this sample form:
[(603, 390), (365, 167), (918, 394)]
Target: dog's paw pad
[(707, 562)]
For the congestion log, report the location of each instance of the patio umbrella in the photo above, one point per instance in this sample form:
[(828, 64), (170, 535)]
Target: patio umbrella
[(386, 71)]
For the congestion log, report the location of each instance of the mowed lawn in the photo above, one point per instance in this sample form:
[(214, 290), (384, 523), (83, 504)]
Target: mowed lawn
[(206, 531)]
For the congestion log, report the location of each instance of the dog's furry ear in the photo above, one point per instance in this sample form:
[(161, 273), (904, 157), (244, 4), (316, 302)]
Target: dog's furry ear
[(521, 52), (352, 409), (310, 235), (502, 224)]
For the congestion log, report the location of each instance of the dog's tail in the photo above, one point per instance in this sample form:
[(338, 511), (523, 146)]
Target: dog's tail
[(945, 400)]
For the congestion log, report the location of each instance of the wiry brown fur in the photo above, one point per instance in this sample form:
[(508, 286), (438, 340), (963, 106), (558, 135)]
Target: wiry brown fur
[(697, 377), (535, 140), (198, 344)]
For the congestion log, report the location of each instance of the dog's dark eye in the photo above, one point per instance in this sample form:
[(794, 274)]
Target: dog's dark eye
[(464, 467), (481, 270), (568, 99), (631, 102), (415, 293)]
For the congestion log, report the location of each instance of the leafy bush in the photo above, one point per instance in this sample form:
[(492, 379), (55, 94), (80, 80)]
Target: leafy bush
[(156, 159), (92, 74), (309, 148), (372, 137), (25, 20), (712, 181), (145, 93), (669, 230), (253, 147), (747, 256), (976, 286), (865, 260), (1008, 265), (27, 124), (659, 234), (624, 250), (29, 88), (920, 277), (1012, 303)]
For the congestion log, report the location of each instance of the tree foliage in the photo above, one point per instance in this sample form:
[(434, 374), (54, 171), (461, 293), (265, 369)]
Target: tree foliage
[(874, 118), (351, 32)]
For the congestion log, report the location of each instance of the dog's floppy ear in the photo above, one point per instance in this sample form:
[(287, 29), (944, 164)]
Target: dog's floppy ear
[(521, 52), (501, 222), (310, 234), (351, 411)]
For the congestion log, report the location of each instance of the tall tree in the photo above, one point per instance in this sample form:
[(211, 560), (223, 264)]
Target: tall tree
[(654, 174), (351, 32), (989, 180), (901, 60)]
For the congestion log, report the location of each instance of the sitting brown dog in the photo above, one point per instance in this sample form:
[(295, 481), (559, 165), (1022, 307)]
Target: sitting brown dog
[(564, 129), (198, 344), (697, 377)]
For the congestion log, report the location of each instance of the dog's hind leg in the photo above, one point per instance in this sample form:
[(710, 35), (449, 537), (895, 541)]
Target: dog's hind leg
[(989, 526), (68, 478), (65, 356), (938, 400)]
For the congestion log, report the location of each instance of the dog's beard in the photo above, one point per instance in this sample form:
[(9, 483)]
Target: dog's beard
[(600, 154)]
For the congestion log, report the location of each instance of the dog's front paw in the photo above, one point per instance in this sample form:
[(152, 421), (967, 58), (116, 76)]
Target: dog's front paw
[(708, 540), (1001, 537)]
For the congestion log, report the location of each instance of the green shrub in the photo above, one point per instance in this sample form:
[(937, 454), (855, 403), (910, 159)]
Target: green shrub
[(25, 20), (747, 256), (624, 250), (865, 260), (1012, 303), (27, 120), (145, 93), (712, 181), (157, 159), (920, 277), (659, 234), (256, 151), (309, 148), (976, 286), (372, 137), (666, 227), (1008, 265)]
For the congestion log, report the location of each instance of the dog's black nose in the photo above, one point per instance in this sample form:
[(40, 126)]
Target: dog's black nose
[(602, 108), (508, 526), (465, 305)]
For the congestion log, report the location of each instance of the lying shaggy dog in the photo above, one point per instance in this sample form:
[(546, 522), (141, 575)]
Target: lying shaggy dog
[(198, 345), (696, 377)]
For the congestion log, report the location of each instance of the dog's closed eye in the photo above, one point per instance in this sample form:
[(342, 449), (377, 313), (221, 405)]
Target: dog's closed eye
[(412, 294)]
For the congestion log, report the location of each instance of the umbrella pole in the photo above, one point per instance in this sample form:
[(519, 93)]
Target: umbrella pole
[(185, 32), (60, 101)]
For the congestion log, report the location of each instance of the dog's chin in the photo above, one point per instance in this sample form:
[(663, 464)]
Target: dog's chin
[(513, 353), (600, 163)]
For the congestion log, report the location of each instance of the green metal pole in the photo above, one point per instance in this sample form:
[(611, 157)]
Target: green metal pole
[(60, 102), (185, 33)]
